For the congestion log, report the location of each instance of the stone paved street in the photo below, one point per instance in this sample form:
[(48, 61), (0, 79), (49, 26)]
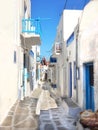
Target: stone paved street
[(56, 119), (22, 117)]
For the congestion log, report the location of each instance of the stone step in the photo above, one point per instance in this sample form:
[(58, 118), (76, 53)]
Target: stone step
[(71, 107)]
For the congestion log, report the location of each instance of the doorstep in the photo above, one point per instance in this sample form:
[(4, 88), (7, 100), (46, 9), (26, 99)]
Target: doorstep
[(71, 107)]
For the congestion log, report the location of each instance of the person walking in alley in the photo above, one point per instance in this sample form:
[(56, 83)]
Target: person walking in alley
[(46, 75)]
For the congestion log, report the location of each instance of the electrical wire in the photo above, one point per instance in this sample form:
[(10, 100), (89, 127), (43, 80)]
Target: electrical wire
[(65, 4)]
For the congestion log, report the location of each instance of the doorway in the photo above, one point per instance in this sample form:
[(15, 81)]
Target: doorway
[(89, 85), (70, 80)]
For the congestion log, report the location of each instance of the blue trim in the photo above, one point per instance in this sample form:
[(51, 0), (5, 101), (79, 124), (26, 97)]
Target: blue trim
[(84, 86), (70, 80), (92, 98), (89, 90), (53, 60), (54, 86), (31, 53), (75, 4), (75, 75), (70, 39)]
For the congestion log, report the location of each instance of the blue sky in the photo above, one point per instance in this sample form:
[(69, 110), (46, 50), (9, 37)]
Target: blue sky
[(51, 9)]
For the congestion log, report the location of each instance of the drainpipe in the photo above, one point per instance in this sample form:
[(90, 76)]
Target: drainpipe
[(77, 32)]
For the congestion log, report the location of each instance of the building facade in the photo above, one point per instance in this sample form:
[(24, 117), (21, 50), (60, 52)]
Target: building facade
[(16, 44), (77, 61), (64, 31), (87, 57)]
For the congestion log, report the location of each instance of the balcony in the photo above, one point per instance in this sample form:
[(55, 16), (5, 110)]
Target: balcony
[(52, 61), (57, 49), (30, 33)]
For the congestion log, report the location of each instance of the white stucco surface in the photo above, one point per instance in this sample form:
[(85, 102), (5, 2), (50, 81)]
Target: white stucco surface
[(70, 20), (88, 48)]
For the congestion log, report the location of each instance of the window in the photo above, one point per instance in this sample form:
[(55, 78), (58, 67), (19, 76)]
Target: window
[(78, 73), (91, 75), (74, 75), (14, 56)]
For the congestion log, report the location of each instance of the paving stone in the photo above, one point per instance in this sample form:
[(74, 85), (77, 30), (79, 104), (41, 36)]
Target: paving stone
[(49, 127), (7, 121), (45, 121), (55, 117), (25, 118), (22, 105), (25, 129), (45, 117), (19, 118), (44, 112), (54, 110), (10, 113), (58, 122), (33, 105), (13, 108), (33, 100), (21, 110), (33, 112), (62, 128), (28, 123), (5, 128)]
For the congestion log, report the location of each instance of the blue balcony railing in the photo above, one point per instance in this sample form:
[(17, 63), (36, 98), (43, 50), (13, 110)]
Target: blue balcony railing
[(31, 26)]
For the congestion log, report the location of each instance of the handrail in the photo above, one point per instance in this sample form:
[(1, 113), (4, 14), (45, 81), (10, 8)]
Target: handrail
[(30, 26)]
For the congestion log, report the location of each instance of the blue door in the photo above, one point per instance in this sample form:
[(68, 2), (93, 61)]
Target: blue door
[(89, 83), (70, 80)]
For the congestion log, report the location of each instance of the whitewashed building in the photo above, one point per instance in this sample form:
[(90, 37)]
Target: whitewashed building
[(65, 28), (77, 62), (82, 59), (14, 52), (87, 57)]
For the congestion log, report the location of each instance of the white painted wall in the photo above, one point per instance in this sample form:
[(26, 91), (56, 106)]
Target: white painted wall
[(71, 55), (11, 13), (70, 20), (88, 47), (67, 24), (8, 69)]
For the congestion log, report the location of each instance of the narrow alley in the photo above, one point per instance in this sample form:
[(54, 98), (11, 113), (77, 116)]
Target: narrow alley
[(22, 116), (49, 65)]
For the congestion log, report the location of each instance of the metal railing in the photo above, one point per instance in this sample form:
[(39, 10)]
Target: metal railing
[(31, 26)]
